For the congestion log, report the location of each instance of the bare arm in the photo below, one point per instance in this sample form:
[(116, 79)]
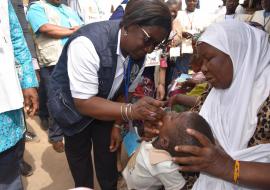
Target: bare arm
[(254, 174), (99, 108), (212, 160), (145, 109), (184, 100), (57, 32), (161, 84)]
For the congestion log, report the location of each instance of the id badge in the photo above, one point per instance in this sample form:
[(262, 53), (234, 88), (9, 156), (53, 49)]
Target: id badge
[(153, 59), (175, 51)]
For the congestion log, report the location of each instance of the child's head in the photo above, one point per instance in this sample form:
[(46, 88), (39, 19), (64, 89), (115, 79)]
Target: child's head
[(174, 6), (173, 132)]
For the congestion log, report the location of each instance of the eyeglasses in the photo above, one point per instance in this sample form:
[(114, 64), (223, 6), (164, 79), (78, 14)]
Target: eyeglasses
[(149, 41)]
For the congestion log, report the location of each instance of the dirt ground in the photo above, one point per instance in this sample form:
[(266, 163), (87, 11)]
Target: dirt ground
[(51, 171)]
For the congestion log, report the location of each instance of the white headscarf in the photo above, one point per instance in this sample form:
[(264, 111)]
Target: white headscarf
[(232, 113)]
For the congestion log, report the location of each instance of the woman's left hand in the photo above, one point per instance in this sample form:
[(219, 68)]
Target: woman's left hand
[(209, 158)]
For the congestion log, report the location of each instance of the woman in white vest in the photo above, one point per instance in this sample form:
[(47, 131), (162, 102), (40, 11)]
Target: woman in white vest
[(263, 16), (17, 90), (236, 63)]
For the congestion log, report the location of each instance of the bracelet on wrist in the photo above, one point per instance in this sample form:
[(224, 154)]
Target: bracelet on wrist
[(118, 126), (126, 112), (236, 172)]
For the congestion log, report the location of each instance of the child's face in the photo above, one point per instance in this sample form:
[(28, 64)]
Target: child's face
[(170, 121)]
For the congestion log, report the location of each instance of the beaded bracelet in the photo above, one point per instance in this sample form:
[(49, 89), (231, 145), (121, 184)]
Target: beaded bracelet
[(236, 172)]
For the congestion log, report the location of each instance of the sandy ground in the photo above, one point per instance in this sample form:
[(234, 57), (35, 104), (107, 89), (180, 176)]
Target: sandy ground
[(51, 171)]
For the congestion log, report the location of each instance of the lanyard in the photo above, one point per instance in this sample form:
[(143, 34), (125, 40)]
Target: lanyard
[(127, 72), (190, 20)]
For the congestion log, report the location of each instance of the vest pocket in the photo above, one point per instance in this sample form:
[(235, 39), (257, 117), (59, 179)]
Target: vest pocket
[(62, 109), (49, 54)]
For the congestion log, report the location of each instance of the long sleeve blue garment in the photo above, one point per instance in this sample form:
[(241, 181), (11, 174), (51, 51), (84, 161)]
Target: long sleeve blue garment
[(12, 122), (119, 11)]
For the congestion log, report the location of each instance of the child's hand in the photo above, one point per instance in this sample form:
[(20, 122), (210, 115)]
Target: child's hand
[(115, 139)]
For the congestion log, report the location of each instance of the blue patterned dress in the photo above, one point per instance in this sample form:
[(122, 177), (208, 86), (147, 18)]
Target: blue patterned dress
[(12, 122)]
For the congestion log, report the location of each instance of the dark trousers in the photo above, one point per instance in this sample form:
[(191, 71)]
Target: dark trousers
[(9, 168), (78, 152), (55, 132)]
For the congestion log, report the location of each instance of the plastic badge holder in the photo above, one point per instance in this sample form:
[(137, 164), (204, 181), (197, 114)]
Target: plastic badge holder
[(131, 142), (175, 52), (183, 77)]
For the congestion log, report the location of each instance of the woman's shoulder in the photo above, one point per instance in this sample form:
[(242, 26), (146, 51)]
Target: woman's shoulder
[(262, 132)]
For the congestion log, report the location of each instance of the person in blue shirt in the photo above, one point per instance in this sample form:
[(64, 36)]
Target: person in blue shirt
[(119, 11), (17, 90), (52, 23)]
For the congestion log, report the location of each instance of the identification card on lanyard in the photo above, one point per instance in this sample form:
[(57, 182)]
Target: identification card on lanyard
[(175, 51), (153, 59)]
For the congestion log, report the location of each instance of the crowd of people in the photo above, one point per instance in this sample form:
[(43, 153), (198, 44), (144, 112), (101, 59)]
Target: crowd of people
[(180, 89)]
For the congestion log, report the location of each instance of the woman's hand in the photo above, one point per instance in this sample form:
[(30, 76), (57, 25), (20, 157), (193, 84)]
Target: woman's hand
[(30, 101), (209, 158), (147, 108), (187, 35), (115, 139)]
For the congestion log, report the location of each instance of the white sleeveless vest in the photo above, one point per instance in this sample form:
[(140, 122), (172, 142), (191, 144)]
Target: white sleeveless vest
[(11, 97), (48, 49)]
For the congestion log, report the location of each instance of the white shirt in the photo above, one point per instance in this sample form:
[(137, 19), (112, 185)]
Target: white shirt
[(146, 176), (258, 16), (11, 97), (83, 65), (192, 22), (91, 10)]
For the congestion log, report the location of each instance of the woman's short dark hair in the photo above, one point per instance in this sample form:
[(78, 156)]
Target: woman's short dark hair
[(147, 13)]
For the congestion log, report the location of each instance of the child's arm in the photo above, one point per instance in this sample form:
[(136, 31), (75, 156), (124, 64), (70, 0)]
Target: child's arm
[(161, 83), (182, 99)]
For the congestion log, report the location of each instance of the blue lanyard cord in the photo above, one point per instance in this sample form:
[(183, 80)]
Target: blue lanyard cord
[(127, 72)]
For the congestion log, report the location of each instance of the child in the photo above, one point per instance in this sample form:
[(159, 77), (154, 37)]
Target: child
[(151, 166)]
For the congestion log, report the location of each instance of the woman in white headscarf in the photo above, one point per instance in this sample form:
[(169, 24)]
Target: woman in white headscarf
[(237, 64)]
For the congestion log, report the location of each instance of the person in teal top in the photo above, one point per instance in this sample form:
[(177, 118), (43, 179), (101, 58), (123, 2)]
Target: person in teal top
[(37, 17), (54, 21), (12, 125)]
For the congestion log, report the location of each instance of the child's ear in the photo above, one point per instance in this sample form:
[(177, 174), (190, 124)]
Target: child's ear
[(164, 142)]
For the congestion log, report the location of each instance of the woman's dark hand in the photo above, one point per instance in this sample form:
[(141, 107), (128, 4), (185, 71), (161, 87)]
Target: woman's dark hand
[(187, 35), (147, 108), (209, 158), (115, 139), (31, 105)]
